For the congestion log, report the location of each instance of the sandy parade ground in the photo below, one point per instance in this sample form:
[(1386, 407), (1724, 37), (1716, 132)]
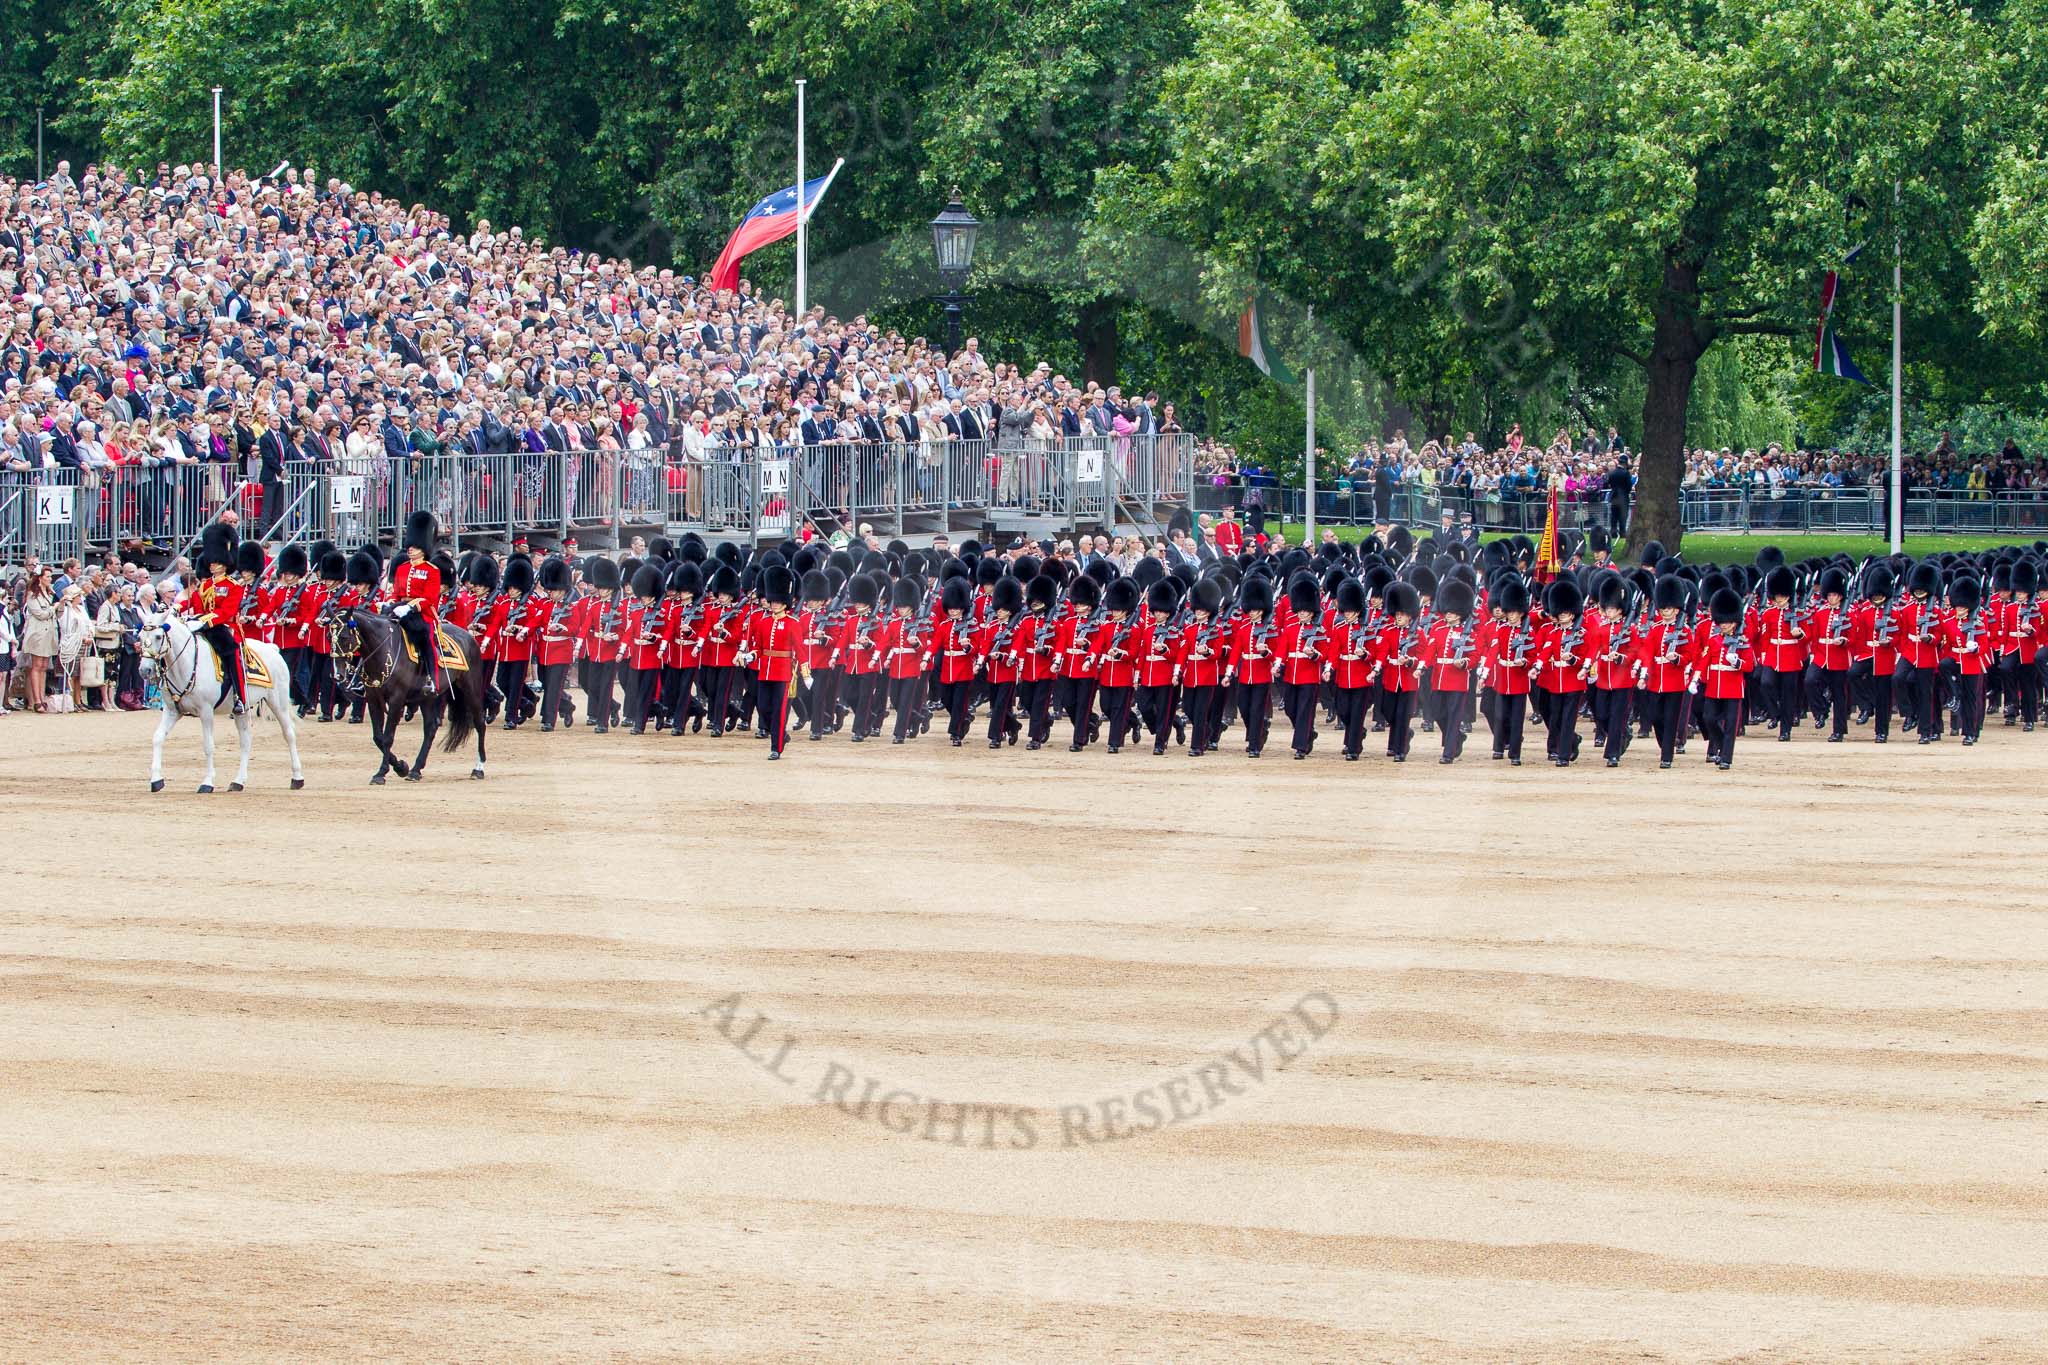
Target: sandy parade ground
[(648, 1048)]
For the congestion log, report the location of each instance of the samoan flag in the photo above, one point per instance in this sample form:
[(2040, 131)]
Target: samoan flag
[(771, 220)]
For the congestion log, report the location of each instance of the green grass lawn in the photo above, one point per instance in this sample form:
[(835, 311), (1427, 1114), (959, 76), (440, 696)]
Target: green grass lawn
[(1726, 549)]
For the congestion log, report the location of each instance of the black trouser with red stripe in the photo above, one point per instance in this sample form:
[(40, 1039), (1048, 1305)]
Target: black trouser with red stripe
[(1561, 725), (1400, 722), (1514, 713), (1662, 711), (1077, 699), (1610, 714), (775, 711), (1781, 686), (1002, 701), (953, 696), (1156, 705), (1835, 683), (1353, 705), (1299, 701), (678, 686), (1036, 699), (1970, 704), (1205, 715), (1116, 707), (597, 691), (512, 682), (824, 702), (1719, 718), (903, 696), (1253, 709)]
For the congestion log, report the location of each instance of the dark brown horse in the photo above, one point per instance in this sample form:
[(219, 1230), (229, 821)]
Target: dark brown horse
[(370, 649)]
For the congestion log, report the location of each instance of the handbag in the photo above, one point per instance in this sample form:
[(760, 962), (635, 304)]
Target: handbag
[(92, 670)]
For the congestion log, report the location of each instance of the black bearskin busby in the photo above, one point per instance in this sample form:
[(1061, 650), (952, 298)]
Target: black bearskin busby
[(1208, 597), (1304, 594), (333, 567), (1513, 595), (217, 546), (815, 587), (1456, 598), (1256, 595), (1725, 606), (957, 595), (1085, 593), (1613, 592), (647, 582), (1007, 595), (554, 574), (292, 562), (1121, 595), (1779, 582), (601, 574), (1162, 596), (1563, 598), (1966, 594), (1669, 594), (2026, 577), (1833, 583), (778, 584), (483, 573), (249, 558), (904, 592), (864, 591), (421, 532), (519, 574), (1147, 571), (1351, 597), (1041, 592), (661, 548), (1403, 600), (724, 581), (1926, 578), (363, 570), (685, 577)]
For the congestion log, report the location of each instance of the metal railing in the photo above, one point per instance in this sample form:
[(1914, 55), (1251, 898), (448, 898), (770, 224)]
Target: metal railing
[(1744, 511), (905, 487)]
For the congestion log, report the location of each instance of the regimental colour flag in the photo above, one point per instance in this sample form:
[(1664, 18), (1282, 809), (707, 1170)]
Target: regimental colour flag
[(1253, 345), (1548, 560), (1830, 356), (771, 220)]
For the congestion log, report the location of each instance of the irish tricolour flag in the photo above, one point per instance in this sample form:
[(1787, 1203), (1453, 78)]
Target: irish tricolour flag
[(1253, 345)]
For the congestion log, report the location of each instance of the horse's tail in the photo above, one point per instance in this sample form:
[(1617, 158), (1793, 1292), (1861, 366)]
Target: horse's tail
[(465, 697)]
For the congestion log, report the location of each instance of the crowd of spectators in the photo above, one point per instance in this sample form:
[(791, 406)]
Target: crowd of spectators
[(177, 319), (69, 632)]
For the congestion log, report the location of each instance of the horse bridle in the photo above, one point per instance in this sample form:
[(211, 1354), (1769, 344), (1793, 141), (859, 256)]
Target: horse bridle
[(167, 661), (345, 641)]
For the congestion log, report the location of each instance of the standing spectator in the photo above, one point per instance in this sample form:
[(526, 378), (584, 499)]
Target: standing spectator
[(74, 643), (7, 644), (1619, 488), (39, 635)]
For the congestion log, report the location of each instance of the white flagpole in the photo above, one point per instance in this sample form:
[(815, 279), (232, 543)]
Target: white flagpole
[(803, 209), (1898, 527), (1308, 537), (218, 173)]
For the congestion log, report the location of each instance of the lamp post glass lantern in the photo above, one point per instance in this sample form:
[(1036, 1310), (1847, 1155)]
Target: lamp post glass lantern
[(953, 233)]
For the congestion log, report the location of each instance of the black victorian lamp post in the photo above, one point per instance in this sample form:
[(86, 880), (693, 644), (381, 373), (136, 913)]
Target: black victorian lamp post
[(953, 233)]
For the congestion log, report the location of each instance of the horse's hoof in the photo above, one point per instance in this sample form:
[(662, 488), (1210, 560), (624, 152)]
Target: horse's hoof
[(377, 781), (476, 774), (206, 789), (398, 766), (234, 786), (412, 776), (298, 783), (158, 785)]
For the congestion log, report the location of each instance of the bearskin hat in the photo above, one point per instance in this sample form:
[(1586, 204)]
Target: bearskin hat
[(445, 564), (217, 546), (685, 577), (1725, 607), (1147, 571), (1926, 578), (1769, 558), (1669, 594), (318, 551), (724, 582), (1400, 542), (728, 554), (554, 574), (1563, 598), (863, 591), (1512, 596), (2026, 577), (1613, 592), (1878, 583), (1304, 594), (987, 571), (1598, 540), (1084, 593), (646, 583), (690, 551), (778, 584), (1457, 598), (1653, 554), (363, 570), (1041, 592), (421, 531), (904, 592), (1425, 580), (1007, 595), (2001, 576), (1403, 600), (1351, 597), (971, 548), (1162, 596), (1257, 594), (1966, 594), (249, 558), (1833, 583), (1121, 595), (1780, 582), (292, 562), (804, 560), (1025, 568), (1102, 571), (952, 568), (661, 548), (957, 595), (814, 586), (601, 573), (333, 566)]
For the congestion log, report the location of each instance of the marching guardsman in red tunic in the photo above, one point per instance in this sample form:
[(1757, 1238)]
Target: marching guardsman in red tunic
[(720, 622), (554, 643), (363, 572), (508, 630), (900, 654), (859, 659), (1827, 633), (1781, 643), (1510, 665), (1073, 659), (996, 643), (331, 568), (1252, 661), (2020, 633), (1873, 649), (214, 607), (1115, 646), (1560, 669), (817, 685), (949, 650), (1300, 647), (603, 636), (1158, 702), (1660, 663), (1034, 645), (678, 630), (416, 592), (640, 644), (1200, 653), (288, 633), (770, 646), (1970, 640), (1718, 658), (1397, 665), (1610, 668), (1347, 663), (1919, 642)]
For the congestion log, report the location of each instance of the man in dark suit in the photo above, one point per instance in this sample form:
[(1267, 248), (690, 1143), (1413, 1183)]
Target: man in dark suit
[(273, 448), (1383, 490)]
